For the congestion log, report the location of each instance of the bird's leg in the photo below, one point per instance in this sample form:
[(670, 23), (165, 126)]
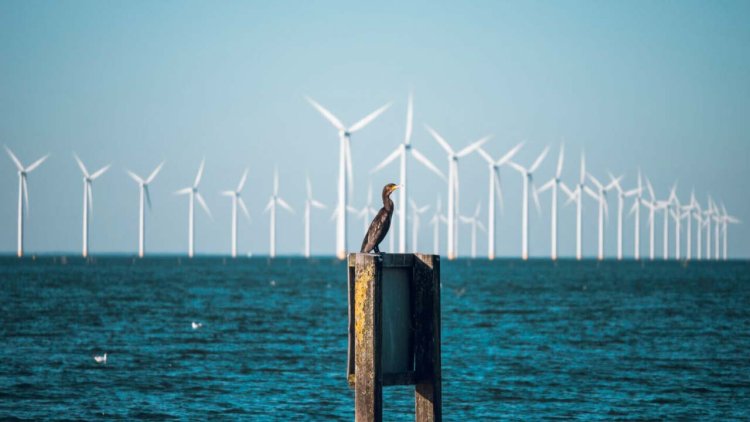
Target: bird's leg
[(376, 249)]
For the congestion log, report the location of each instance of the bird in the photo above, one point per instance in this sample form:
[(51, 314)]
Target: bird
[(196, 325), (101, 358), (381, 223)]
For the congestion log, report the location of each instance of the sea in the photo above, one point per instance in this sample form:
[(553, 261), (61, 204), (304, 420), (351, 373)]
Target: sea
[(521, 340)]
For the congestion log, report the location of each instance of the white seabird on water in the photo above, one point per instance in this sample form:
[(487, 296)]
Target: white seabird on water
[(101, 358), (196, 325)]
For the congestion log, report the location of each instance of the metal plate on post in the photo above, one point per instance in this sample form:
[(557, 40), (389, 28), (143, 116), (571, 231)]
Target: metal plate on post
[(397, 321)]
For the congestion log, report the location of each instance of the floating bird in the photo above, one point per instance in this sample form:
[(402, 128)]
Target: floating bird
[(381, 223), (101, 358), (196, 325)]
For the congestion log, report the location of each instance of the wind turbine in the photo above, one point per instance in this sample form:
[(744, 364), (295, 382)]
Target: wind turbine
[(193, 193), (310, 203), (621, 195), (664, 205), (403, 151), (495, 187), (528, 179), (437, 219), (708, 214), (688, 214), (145, 197), (88, 199), (275, 200), (652, 206), (474, 222), (577, 195), (717, 220), (676, 212), (415, 213), (345, 167), (725, 220), (697, 213), (453, 185), (553, 184), (23, 193), (237, 199), (600, 195), (636, 210)]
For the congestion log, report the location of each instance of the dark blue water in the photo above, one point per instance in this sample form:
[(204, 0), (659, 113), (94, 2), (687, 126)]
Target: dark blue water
[(521, 340)]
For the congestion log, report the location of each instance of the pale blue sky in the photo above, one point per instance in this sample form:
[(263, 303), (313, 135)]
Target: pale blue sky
[(663, 86)]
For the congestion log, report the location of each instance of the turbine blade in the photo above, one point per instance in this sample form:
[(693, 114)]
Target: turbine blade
[(15, 159), (473, 146), (499, 192), (633, 208), (285, 205), (591, 192), (560, 161), (243, 179), (228, 193), (427, 163), (388, 159), (269, 205), (566, 189), (275, 181), (327, 114), (368, 119), (200, 173), (485, 155), (535, 195), (80, 165), (201, 201), (539, 160), (317, 204), (583, 169), (481, 226), (409, 119), (517, 167), (508, 155), (135, 177), (547, 186), (36, 164), (595, 181), (148, 195), (100, 172), (439, 139), (243, 207), (153, 174), (184, 191)]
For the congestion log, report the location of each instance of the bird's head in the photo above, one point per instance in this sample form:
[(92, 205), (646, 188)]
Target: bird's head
[(389, 188)]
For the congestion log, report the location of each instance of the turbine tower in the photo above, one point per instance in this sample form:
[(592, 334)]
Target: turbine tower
[(600, 195), (437, 219), (237, 200), (708, 214), (495, 187), (474, 222), (415, 213), (275, 200), (621, 196), (554, 184), (577, 195), (310, 203), (88, 199), (346, 174), (652, 206), (697, 213), (528, 179), (193, 194), (145, 197), (676, 212), (403, 151), (23, 193), (453, 185), (687, 213)]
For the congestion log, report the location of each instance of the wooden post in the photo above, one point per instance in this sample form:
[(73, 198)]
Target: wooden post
[(368, 396), (428, 391), (408, 316)]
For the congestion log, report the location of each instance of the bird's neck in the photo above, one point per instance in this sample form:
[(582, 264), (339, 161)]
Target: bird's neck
[(387, 203)]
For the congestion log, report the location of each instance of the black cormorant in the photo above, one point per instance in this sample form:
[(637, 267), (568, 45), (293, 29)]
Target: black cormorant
[(381, 223)]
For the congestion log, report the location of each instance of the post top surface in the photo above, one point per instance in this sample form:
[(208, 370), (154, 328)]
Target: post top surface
[(390, 260)]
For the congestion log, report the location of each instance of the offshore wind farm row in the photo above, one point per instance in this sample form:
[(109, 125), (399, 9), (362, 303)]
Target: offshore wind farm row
[(709, 222)]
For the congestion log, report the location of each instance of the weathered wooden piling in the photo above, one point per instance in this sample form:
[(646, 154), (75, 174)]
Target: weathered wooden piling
[(394, 331)]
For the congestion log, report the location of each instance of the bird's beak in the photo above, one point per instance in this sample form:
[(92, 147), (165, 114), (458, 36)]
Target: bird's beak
[(396, 187)]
